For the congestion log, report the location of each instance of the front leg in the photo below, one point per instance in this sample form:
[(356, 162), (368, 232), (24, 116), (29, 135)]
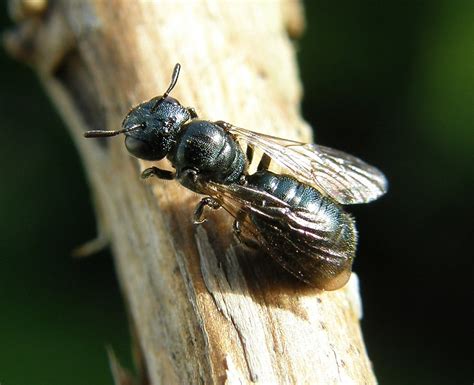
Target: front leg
[(207, 201), (158, 172)]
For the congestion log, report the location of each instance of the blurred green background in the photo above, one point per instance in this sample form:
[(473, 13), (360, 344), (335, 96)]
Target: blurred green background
[(391, 82)]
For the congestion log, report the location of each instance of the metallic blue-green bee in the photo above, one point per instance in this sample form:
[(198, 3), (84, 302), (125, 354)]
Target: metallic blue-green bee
[(295, 216)]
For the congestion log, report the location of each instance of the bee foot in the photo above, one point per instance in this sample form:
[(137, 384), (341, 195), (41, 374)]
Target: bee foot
[(207, 201)]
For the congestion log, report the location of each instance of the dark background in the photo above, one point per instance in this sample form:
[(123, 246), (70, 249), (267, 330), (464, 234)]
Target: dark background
[(391, 82)]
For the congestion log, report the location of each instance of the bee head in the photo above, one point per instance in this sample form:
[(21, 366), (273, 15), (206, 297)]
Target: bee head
[(151, 128)]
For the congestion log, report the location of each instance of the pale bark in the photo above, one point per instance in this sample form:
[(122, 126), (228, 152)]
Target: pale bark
[(204, 310)]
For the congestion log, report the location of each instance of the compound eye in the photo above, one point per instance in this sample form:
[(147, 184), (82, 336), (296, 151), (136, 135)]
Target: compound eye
[(139, 148)]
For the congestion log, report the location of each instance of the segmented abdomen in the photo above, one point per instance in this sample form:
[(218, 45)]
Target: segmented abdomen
[(312, 237)]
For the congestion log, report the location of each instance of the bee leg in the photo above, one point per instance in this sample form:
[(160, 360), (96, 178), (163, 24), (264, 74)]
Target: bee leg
[(239, 234), (192, 112), (237, 228), (198, 211), (158, 172), (237, 225)]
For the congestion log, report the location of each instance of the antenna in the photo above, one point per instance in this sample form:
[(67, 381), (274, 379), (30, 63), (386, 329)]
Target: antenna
[(174, 80), (105, 134)]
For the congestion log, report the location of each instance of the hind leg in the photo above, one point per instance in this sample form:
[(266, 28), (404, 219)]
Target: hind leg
[(199, 210), (241, 232)]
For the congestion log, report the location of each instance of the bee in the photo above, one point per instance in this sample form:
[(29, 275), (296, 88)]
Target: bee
[(295, 215)]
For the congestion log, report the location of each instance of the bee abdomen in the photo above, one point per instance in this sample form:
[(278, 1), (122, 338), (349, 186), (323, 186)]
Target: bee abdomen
[(289, 190), (317, 242)]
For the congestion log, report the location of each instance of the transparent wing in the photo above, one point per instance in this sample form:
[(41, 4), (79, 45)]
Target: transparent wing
[(343, 177), (296, 239)]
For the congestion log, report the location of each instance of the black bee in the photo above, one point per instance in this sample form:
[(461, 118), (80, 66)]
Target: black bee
[(295, 215)]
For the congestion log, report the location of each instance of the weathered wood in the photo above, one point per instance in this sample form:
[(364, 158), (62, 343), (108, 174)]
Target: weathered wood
[(205, 311)]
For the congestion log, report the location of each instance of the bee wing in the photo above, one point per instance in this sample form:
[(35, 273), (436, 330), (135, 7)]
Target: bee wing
[(239, 200), (296, 239), (343, 177)]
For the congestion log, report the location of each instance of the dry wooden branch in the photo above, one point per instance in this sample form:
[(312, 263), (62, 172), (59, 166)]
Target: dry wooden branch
[(204, 310)]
